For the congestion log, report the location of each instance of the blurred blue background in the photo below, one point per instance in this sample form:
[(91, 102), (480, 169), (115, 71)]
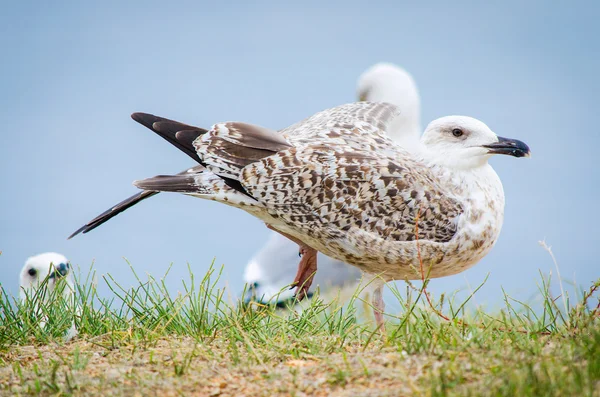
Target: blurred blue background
[(71, 73)]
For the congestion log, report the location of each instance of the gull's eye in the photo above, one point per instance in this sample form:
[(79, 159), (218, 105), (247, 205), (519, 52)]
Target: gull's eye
[(32, 272), (457, 132)]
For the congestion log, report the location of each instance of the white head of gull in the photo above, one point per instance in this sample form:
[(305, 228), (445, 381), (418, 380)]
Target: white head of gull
[(39, 278), (38, 268)]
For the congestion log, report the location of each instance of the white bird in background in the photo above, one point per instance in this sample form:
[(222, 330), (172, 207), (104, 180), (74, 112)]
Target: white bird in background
[(268, 272), (44, 271), (385, 82)]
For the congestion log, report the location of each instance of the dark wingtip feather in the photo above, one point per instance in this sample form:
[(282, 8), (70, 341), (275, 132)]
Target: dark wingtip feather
[(187, 137), (126, 204), (145, 119), (112, 212), (77, 232), (168, 129)]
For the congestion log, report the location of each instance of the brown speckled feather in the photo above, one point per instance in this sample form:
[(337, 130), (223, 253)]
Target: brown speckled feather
[(335, 193), (229, 147), (342, 174)]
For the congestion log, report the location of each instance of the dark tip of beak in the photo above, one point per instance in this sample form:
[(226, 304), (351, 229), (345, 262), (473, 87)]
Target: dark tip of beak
[(60, 270), (511, 147), (63, 269)]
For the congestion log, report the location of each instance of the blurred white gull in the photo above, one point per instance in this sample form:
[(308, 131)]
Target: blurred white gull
[(44, 271), (268, 272), (385, 82)]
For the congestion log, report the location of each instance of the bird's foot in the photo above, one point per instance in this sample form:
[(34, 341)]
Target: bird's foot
[(306, 270)]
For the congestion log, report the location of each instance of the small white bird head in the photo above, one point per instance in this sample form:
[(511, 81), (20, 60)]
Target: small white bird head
[(37, 268), (462, 142)]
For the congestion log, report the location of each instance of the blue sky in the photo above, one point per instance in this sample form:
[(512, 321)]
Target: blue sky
[(71, 74)]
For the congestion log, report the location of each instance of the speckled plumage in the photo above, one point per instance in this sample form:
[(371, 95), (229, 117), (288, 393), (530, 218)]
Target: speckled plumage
[(338, 183), (268, 271)]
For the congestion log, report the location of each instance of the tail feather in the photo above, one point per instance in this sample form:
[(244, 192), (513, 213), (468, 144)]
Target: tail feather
[(205, 185), (183, 137), (225, 151), (113, 211), (171, 183), (126, 204)]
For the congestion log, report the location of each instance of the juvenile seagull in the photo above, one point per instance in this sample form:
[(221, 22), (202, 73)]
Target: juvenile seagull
[(48, 266), (383, 82), (267, 272), (336, 183)]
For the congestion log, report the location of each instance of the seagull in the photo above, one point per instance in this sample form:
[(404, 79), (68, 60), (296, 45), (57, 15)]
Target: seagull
[(336, 183), (383, 82), (267, 272), (44, 271)]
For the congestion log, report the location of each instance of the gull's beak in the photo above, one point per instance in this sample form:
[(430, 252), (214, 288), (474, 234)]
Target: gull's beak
[(60, 270), (362, 97), (512, 147)]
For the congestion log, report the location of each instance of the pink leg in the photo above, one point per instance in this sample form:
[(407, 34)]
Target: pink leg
[(306, 268), (378, 306)]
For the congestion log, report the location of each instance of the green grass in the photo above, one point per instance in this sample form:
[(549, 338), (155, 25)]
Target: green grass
[(144, 341)]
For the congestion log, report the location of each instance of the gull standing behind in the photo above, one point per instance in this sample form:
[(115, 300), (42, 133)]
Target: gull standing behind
[(267, 273), (48, 266)]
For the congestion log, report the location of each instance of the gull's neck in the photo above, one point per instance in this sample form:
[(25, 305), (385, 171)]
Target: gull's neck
[(481, 194), (473, 179), (469, 179), (405, 132)]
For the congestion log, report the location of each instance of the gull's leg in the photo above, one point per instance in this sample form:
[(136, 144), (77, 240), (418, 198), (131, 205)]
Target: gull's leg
[(375, 284), (306, 268), (379, 306)]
